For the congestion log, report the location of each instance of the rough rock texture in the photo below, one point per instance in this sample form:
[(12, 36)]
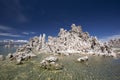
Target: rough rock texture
[(67, 42), (9, 56), (76, 41), (22, 53), (50, 63), (82, 59), (115, 43), (51, 59)]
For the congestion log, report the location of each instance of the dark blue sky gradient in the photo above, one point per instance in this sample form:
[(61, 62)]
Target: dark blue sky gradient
[(98, 17)]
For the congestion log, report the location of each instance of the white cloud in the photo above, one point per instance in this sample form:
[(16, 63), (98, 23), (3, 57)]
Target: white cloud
[(10, 35), (26, 33), (5, 28), (32, 32), (107, 38)]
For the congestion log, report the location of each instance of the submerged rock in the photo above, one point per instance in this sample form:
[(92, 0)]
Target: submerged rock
[(50, 63), (51, 59), (82, 59)]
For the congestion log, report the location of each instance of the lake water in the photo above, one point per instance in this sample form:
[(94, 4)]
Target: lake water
[(97, 68), (4, 51)]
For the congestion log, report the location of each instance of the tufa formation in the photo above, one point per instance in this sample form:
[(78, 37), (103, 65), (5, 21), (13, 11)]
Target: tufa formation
[(66, 43)]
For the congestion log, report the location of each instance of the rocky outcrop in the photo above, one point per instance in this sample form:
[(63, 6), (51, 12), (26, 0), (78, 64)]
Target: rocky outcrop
[(9, 56), (115, 43), (22, 53), (76, 41), (67, 42)]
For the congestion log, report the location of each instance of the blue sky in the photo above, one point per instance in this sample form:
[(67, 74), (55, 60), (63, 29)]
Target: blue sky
[(22, 19)]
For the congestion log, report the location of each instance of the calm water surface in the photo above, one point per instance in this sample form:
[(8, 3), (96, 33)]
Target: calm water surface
[(5, 51), (97, 68)]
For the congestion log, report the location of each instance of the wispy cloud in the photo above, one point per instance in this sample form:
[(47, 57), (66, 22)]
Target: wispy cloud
[(20, 16), (5, 28), (28, 33), (32, 32), (10, 35), (15, 10), (107, 38)]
